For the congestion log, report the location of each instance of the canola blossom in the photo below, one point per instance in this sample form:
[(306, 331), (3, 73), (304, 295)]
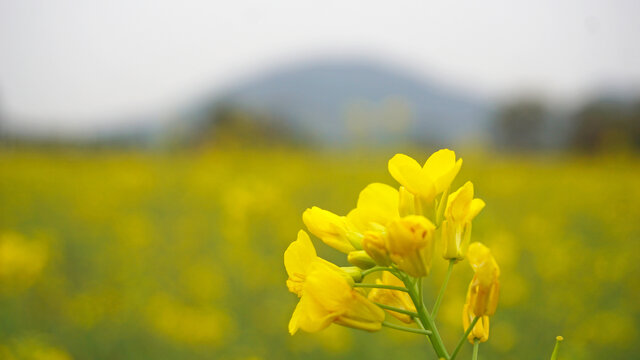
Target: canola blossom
[(390, 237), (326, 297), (461, 209), (429, 180), (331, 228), (484, 289), (410, 244)]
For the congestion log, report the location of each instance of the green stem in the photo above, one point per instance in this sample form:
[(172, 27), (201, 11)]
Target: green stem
[(476, 346), (554, 356), (443, 288), (405, 328), (381, 286), (462, 339), (398, 310), (376, 269), (425, 319)]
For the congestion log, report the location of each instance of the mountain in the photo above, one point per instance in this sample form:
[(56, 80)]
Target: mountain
[(328, 98)]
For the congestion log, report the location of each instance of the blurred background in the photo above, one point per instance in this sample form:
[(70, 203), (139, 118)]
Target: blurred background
[(156, 157)]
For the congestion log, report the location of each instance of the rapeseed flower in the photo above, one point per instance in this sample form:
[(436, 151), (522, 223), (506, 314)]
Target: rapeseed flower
[(410, 244), (298, 259), (332, 229), (461, 209), (485, 286), (374, 243), (328, 297), (429, 180), (393, 231), (377, 206), (482, 296), (480, 331)]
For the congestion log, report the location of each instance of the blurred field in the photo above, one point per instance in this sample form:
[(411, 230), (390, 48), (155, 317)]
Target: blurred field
[(154, 256)]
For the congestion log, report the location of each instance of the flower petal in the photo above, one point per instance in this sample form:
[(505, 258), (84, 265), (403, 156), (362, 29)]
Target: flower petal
[(330, 228), (406, 171), (474, 209), (443, 168), (299, 255), (378, 203)]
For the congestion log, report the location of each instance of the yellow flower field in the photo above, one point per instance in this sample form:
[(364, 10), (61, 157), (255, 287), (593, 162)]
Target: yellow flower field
[(132, 255)]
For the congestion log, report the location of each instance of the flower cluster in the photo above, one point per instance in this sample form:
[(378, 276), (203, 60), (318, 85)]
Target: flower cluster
[(394, 231)]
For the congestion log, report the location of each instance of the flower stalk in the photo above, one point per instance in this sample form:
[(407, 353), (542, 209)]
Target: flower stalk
[(476, 346), (425, 318), (381, 286), (405, 328), (443, 288), (398, 310), (463, 338)]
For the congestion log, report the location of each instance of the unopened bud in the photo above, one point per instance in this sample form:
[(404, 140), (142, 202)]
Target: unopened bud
[(374, 244), (410, 243), (360, 259), (354, 273)]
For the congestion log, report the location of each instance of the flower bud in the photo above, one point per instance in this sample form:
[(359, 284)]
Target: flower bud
[(554, 355), (484, 289), (480, 330), (374, 244), (410, 244), (360, 259), (354, 273), (461, 209)]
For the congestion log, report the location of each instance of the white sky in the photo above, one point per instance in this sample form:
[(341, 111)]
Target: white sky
[(79, 64)]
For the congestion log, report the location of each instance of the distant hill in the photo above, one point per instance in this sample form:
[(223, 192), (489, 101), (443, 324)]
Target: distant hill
[(333, 99), (324, 101)]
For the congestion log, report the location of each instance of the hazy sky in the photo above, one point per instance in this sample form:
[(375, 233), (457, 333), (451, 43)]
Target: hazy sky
[(79, 64)]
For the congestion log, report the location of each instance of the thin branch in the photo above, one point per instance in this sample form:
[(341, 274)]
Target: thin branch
[(398, 310), (405, 328), (377, 269), (464, 337), (381, 286), (443, 288), (476, 346)]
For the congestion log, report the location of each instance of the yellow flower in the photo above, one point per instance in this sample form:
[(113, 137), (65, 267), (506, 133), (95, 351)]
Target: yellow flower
[(461, 209), (375, 244), (332, 229), (327, 297), (480, 331), (326, 292), (377, 206), (484, 289), (429, 180), (393, 298), (298, 258), (410, 244)]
